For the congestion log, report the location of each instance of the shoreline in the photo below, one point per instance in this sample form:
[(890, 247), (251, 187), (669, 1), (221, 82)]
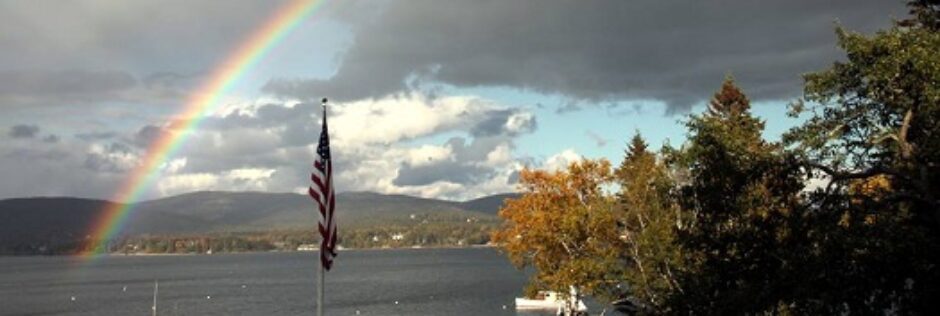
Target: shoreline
[(141, 254)]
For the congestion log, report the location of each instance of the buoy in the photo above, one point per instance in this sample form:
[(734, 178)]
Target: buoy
[(73, 299), (244, 286), (357, 312), (208, 297), (504, 306), (124, 289), (396, 302)]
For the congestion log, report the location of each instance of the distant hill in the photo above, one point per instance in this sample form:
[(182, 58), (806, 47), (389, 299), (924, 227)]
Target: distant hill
[(26, 222), (54, 222), (488, 204)]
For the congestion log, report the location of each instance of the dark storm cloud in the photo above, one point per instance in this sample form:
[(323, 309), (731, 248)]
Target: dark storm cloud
[(672, 51), (23, 131), (88, 50), (156, 35)]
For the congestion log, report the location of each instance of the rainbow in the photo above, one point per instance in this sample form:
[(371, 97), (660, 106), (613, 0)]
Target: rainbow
[(199, 104)]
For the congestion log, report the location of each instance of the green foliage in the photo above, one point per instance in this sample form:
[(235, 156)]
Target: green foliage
[(743, 219), (728, 225), (419, 234), (421, 230), (648, 219), (873, 136)]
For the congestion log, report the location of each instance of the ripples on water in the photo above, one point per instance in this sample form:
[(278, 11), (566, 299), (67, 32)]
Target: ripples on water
[(421, 281)]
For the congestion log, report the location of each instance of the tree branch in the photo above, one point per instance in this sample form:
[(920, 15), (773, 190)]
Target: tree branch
[(906, 148)]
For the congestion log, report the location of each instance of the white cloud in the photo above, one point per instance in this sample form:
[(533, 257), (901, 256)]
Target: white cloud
[(401, 117), (182, 183), (500, 156), (113, 158), (561, 160), (244, 179), (174, 165), (520, 122), (457, 147), (429, 154)]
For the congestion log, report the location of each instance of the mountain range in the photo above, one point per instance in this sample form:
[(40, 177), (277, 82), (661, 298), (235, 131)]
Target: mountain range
[(42, 220)]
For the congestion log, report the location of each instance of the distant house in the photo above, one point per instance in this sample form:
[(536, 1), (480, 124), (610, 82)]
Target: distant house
[(398, 236)]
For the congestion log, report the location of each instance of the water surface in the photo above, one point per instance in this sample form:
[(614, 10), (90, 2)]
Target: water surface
[(372, 282)]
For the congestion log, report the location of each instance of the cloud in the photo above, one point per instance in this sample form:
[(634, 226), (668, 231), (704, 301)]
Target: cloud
[(670, 51), (406, 116), (598, 139), (51, 138), (506, 121), (100, 34), (458, 147), (457, 167), (90, 51), (246, 179), (69, 85), (561, 160), (23, 131), (53, 169), (147, 135), (112, 158), (448, 147), (96, 136)]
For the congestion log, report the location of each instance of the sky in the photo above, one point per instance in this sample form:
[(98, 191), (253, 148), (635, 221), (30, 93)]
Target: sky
[(438, 99)]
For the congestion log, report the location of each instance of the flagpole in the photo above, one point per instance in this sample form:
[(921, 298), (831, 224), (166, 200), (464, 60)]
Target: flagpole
[(156, 288), (321, 275), (320, 291)]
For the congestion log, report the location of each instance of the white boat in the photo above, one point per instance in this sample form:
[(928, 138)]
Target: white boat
[(549, 300)]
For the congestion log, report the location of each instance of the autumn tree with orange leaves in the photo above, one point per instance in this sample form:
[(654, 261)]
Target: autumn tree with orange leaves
[(563, 226)]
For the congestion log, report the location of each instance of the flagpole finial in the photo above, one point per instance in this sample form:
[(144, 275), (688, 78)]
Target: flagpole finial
[(323, 101)]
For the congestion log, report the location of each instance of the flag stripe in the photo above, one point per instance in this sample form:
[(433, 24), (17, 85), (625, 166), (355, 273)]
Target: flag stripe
[(322, 192)]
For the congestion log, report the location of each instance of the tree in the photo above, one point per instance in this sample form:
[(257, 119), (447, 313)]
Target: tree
[(873, 138), (924, 14), (729, 100), (563, 226), (741, 200), (648, 220)]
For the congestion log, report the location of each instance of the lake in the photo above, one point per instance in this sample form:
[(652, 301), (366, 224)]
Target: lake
[(477, 281)]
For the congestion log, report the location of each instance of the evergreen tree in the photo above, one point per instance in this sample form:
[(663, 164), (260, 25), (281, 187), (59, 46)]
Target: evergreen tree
[(648, 219), (729, 100), (742, 202)]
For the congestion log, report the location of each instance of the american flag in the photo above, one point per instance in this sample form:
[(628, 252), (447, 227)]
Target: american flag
[(322, 192)]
